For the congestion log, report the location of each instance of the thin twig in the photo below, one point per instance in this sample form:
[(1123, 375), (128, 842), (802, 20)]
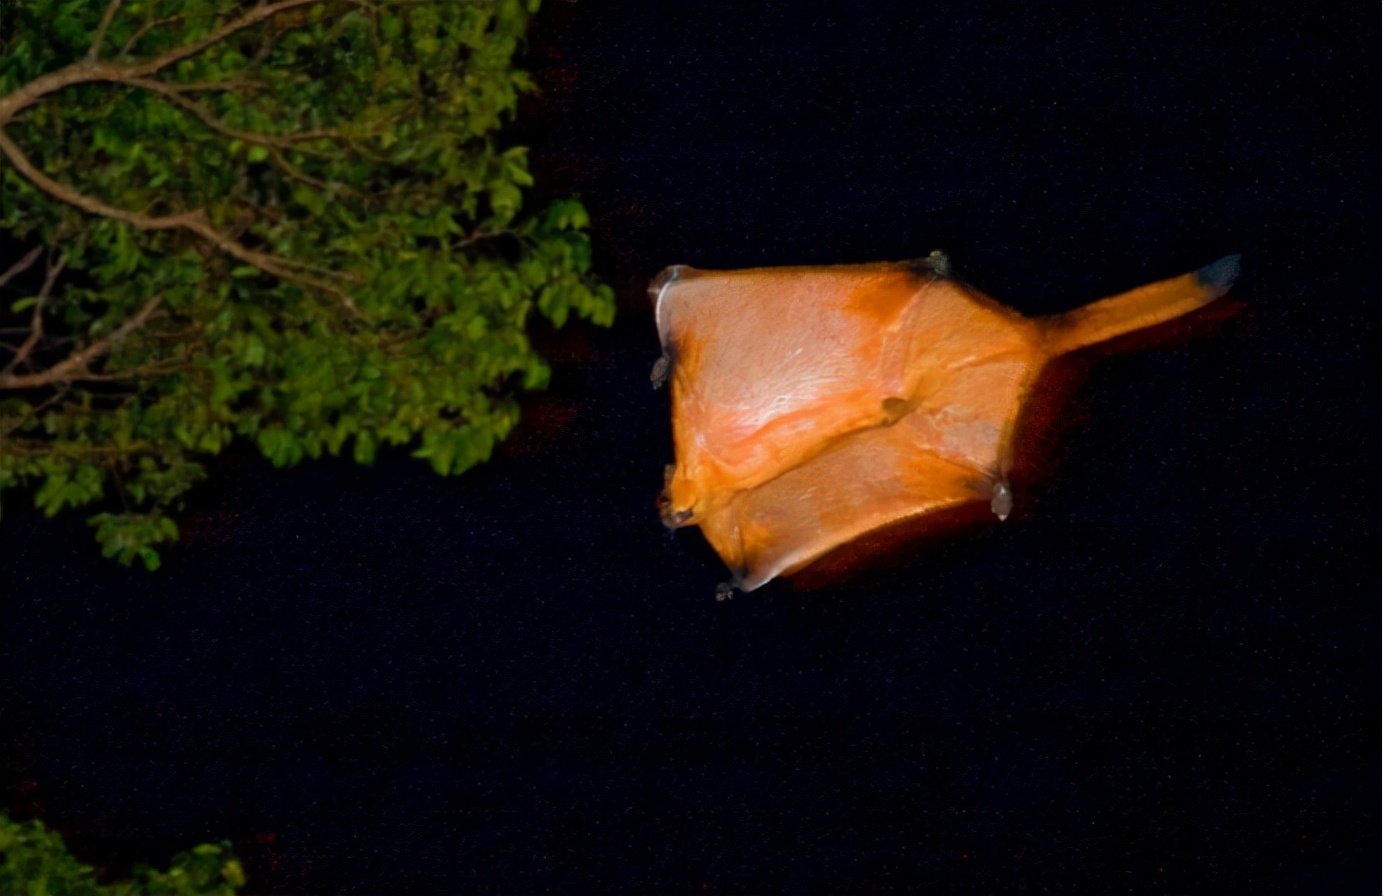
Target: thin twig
[(150, 24), (477, 235), (173, 93), (26, 347), (106, 18), (37, 448), (297, 173), (35, 410), (21, 265)]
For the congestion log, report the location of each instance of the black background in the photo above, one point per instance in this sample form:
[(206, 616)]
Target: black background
[(1159, 677)]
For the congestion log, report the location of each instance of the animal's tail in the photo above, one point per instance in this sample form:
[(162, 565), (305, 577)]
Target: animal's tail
[(1140, 308)]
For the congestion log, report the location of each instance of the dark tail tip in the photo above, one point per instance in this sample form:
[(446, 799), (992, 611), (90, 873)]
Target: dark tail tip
[(1219, 275)]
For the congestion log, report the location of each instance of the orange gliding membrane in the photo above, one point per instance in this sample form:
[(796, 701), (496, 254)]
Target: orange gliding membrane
[(814, 405)]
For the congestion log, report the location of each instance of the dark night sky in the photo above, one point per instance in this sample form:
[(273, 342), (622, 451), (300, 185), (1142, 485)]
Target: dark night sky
[(1160, 677)]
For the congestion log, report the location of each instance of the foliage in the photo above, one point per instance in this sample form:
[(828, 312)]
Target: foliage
[(35, 862), (288, 221)]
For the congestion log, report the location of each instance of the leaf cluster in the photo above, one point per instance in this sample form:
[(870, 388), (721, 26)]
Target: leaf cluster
[(294, 223), (34, 861)]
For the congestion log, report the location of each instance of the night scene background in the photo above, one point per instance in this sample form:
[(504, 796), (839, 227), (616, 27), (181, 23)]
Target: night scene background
[(1158, 677)]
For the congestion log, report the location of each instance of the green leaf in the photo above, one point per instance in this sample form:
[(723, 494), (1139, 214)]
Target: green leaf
[(364, 452), (150, 558)]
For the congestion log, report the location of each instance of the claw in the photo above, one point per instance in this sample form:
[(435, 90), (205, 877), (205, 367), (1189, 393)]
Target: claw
[(659, 375), (1002, 501)]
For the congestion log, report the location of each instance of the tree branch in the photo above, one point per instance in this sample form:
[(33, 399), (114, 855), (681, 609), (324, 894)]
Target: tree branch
[(193, 222), (76, 364), (225, 84), (21, 162), (142, 373)]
